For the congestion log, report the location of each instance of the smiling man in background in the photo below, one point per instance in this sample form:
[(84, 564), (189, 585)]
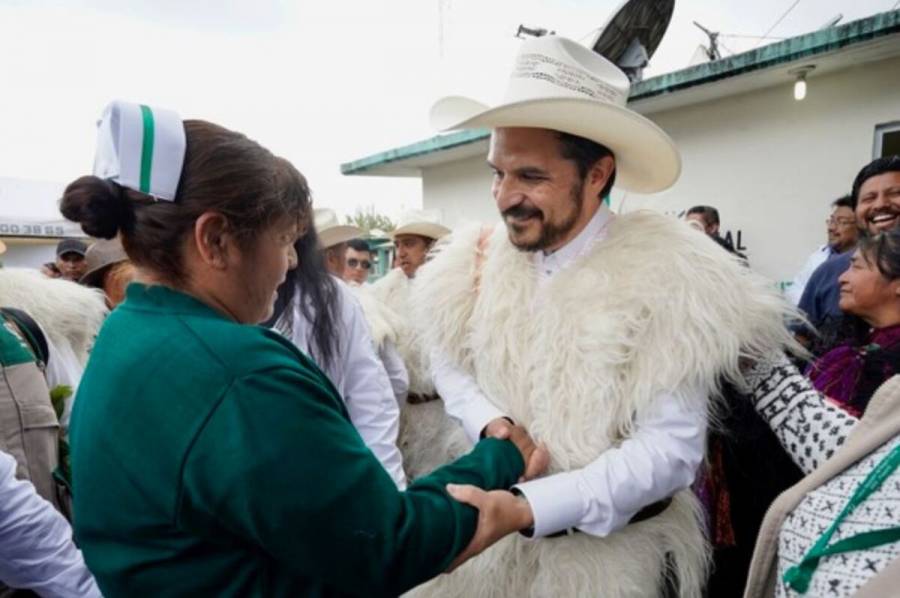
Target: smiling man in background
[(876, 199)]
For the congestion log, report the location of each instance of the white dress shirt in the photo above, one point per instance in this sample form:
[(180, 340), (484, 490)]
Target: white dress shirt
[(660, 458), (396, 370), (360, 378), (816, 259), (36, 549)]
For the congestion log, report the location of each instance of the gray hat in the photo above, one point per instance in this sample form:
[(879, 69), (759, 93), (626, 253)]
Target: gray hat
[(71, 246), (102, 254)]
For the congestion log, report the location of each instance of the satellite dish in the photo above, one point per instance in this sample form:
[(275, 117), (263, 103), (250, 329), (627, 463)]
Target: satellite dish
[(633, 33)]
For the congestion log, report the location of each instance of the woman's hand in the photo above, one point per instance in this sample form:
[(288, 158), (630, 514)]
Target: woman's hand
[(499, 513), (536, 457)]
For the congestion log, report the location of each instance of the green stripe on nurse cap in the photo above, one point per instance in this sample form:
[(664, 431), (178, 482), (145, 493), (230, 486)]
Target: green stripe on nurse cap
[(141, 147)]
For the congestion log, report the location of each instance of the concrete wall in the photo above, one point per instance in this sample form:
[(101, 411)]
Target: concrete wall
[(461, 190), (771, 165)]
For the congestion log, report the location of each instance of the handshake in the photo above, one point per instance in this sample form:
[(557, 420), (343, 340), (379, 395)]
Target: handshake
[(501, 512)]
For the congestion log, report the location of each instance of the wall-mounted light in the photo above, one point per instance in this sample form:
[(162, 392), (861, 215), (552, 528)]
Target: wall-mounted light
[(800, 80)]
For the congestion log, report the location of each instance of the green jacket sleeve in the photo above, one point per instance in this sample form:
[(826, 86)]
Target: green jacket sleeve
[(281, 467)]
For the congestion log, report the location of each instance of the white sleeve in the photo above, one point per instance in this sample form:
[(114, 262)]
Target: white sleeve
[(462, 397), (63, 368), (659, 459), (396, 370), (36, 549), (367, 390), (798, 284)]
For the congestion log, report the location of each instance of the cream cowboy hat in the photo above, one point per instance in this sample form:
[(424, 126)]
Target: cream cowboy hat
[(426, 223), (331, 231), (561, 85)]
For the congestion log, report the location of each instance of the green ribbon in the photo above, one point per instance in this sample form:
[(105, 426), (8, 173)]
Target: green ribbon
[(799, 576), (147, 148)]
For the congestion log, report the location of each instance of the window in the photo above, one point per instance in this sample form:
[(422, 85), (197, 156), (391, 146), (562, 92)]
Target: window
[(887, 140)]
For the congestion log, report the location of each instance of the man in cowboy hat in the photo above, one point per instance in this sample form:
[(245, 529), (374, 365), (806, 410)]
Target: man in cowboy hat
[(333, 237), (415, 234), (427, 436), (603, 335)]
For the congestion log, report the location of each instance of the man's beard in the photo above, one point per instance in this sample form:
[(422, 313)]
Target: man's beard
[(551, 233)]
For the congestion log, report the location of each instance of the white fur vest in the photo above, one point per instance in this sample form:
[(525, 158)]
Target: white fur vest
[(394, 291), (64, 310), (655, 307), (428, 438)]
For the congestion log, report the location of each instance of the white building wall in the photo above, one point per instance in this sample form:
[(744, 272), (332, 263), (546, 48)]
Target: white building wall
[(461, 190), (28, 255), (771, 165)]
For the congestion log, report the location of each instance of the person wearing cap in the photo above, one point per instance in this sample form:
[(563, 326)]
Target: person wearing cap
[(602, 335), (108, 269), (319, 313), (211, 457), (70, 258)]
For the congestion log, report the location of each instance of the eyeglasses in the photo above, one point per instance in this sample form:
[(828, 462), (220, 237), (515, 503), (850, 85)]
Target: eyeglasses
[(355, 263), (840, 221)]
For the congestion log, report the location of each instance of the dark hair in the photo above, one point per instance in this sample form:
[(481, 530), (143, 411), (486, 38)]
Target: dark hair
[(358, 245), (316, 294), (844, 201), (710, 214), (874, 168), (223, 171), (585, 153), (883, 250)]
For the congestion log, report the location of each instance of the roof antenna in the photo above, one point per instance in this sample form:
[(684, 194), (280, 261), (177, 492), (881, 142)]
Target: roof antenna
[(712, 52)]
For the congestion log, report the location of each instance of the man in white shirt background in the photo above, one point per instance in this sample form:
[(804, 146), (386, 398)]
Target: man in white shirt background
[(603, 335), (842, 233)]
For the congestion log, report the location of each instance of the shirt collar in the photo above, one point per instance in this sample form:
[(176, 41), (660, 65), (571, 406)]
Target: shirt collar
[(596, 230)]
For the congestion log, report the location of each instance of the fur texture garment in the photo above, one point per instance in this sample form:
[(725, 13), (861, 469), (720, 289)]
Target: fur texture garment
[(394, 291), (655, 307), (428, 437), (64, 309), (384, 323)]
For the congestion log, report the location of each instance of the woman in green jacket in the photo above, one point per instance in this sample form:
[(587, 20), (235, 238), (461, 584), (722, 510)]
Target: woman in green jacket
[(210, 457)]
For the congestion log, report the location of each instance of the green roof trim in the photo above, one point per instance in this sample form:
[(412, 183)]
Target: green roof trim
[(789, 50), (428, 146), (783, 52)]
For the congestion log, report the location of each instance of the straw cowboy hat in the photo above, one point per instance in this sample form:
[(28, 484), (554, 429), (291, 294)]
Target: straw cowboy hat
[(426, 223), (331, 231), (100, 255), (561, 85)]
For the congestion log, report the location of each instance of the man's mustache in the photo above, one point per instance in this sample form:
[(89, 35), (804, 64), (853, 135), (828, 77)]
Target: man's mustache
[(522, 211)]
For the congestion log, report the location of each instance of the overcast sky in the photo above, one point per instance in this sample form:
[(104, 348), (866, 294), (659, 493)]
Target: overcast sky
[(318, 82)]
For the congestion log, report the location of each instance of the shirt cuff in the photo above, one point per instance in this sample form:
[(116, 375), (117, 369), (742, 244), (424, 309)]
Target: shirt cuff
[(555, 501), (479, 413)]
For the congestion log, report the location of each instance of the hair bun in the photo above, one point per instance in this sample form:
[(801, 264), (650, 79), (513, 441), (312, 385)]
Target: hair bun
[(98, 205)]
